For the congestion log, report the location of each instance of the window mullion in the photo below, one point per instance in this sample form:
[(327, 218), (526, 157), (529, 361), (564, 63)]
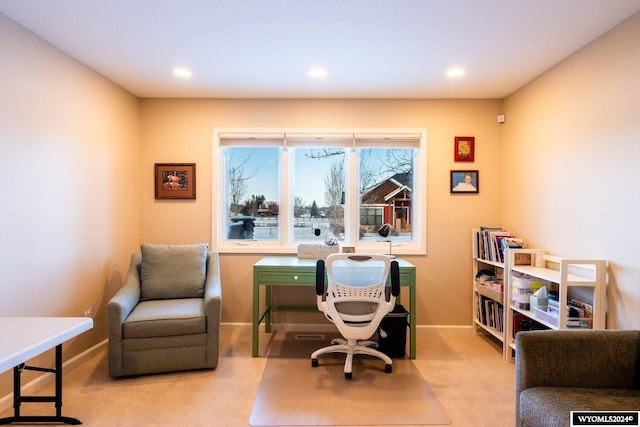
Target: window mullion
[(352, 203), (286, 201)]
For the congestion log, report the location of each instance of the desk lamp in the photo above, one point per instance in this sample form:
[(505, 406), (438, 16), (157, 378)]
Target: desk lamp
[(384, 232)]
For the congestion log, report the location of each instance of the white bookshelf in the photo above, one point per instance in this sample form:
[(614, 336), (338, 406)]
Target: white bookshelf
[(582, 279), (481, 294)]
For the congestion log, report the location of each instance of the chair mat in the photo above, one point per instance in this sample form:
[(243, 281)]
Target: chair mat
[(293, 393)]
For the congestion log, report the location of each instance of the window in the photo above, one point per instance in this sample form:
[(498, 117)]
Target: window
[(370, 216), (275, 189)]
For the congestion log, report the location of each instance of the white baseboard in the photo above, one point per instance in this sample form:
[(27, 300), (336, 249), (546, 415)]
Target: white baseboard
[(43, 380), (328, 327)]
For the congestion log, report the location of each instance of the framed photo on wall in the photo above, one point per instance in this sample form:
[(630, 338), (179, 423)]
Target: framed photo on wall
[(465, 181), (464, 148), (175, 180)]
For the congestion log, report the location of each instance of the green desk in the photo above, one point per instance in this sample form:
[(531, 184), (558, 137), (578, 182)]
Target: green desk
[(291, 271)]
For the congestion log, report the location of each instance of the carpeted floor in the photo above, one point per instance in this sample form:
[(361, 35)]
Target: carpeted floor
[(466, 372), (292, 393)]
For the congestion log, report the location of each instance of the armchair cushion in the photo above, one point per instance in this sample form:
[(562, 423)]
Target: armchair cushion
[(172, 271), (163, 318)]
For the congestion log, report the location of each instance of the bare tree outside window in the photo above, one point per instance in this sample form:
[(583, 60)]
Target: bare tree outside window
[(252, 188), (386, 187), (319, 178), (237, 180), (334, 183)]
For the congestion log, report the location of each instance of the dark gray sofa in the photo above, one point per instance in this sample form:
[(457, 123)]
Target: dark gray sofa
[(575, 370)]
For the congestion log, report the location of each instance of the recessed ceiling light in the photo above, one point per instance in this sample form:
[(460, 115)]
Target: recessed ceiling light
[(456, 72), (182, 72), (317, 73)]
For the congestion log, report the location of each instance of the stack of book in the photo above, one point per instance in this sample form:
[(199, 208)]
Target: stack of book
[(490, 243), (490, 289), (490, 313)]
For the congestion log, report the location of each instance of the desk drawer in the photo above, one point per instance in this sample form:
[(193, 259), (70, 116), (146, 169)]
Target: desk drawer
[(283, 277)]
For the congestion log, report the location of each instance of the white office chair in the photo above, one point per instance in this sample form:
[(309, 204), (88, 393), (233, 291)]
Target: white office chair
[(355, 301)]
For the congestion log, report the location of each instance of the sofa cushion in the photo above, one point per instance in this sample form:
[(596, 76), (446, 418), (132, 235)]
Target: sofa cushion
[(162, 318), (172, 271), (552, 406)]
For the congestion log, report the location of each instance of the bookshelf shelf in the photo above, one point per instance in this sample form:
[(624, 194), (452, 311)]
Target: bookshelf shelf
[(531, 315), (548, 274), (497, 312), (493, 331), (581, 279), (492, 263)]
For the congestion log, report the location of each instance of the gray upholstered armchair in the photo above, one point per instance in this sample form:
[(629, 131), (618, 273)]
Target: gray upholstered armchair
[(166, 316), (575, 370)]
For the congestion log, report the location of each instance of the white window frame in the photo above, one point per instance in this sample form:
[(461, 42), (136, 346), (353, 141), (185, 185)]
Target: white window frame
[(286, 245)]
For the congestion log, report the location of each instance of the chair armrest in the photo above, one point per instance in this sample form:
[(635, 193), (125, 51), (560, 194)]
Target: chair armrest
[(320, 269), (213, 307), (395, 278), (118, 309), (213, 289), (124, 301)]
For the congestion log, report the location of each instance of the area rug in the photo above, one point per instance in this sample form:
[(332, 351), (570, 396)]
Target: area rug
[(293, 393)]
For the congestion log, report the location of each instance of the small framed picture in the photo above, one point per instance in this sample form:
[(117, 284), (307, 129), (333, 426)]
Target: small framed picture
[(465, 181), (464, 148), (348, 249), (175, 180)]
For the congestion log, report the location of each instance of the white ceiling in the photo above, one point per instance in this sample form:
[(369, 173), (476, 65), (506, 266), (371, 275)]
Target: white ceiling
[(371, 48)]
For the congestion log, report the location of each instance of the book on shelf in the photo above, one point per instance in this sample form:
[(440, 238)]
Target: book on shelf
[(500, 238), (489, 243), (490, 313), (480, 242), (495, 244), (583, 309)]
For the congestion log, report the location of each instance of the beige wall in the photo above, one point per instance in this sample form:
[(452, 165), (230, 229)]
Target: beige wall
[(70, 159), (181, 131), (570, 153)]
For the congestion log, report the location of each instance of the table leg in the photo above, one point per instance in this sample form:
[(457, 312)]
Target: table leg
[(255, 327), (57, 399), (412, 319), (267, 303)]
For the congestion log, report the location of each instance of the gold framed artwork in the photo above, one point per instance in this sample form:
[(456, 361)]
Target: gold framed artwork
[(175, 180), (464, 148)]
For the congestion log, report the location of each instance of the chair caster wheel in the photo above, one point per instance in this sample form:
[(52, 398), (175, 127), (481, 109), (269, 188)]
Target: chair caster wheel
[(348, 375), (388, 368), (314, 363)]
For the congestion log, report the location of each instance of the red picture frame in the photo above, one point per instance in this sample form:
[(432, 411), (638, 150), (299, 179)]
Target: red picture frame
[(464, 148)]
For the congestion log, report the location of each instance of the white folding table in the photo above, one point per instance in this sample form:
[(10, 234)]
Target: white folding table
[(22, 338)]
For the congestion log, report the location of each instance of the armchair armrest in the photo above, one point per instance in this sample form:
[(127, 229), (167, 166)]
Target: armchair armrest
[(213, 288), (213, 306), (124, 301), (118, 309)]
